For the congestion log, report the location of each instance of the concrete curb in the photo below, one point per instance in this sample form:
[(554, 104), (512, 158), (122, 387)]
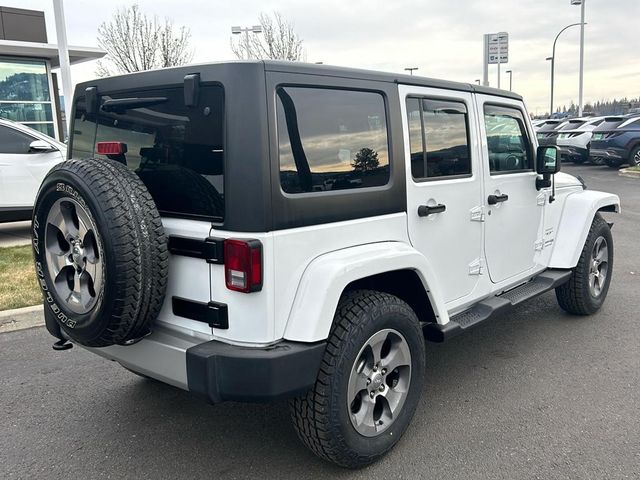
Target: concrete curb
[(627, 172), (21, 318)]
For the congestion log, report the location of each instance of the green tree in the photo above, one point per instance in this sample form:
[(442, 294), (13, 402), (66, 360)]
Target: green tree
[(366, 160)]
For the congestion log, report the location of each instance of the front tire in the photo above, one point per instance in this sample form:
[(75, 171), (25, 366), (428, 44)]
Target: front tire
[(634, 157), (369, 383), (587, 288)]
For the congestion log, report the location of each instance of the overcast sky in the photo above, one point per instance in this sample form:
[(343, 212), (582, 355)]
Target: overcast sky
[(441, 37)]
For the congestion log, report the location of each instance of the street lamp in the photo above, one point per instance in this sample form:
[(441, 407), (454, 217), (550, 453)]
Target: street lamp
[(553, 60), (411, 69), (552, 65), (582, 24), (477, 80), (238, 30), (510, 72)]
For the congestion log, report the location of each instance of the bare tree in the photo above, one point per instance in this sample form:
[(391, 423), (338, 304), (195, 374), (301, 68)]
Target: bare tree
[(134, 42), (278, 41)]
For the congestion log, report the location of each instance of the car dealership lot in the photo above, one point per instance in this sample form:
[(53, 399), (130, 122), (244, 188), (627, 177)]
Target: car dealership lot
[(535, 394)]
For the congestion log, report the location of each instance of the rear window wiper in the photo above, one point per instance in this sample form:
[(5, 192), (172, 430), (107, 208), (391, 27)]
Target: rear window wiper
[(121, 105)]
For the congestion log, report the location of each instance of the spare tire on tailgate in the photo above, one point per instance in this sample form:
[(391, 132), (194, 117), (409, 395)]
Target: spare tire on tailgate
[(100, 252)]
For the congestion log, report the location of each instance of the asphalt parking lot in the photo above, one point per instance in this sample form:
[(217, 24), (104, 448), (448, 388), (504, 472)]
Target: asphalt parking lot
[(15, 233), (536, 394)]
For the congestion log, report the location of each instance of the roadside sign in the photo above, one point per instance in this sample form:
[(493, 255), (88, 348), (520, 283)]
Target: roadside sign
[(493, 59), (498, 45), (503, 48)]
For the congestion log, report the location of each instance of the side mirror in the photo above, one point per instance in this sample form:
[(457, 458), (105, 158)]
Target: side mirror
[(41, 146), (547, 162)]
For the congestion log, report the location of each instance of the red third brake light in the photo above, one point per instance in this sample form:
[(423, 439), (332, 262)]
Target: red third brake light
[(111, 148), (243, 265)]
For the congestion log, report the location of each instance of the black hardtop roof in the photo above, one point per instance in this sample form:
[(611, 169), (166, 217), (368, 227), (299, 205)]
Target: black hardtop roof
[(174, 74)]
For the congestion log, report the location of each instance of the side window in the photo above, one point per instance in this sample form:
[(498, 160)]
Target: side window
[(12, 141), (439, 138), (331, 139), (507, 140)]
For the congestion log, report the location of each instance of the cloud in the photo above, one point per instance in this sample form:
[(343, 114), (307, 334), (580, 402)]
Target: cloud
[(441, 37)]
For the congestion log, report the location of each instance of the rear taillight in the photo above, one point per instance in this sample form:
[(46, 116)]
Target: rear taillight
[(243, 265), (111, 148)]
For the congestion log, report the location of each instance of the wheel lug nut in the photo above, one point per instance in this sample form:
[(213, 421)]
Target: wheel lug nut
[(384, 371), (381, 388), (371, 394), (368, 381)]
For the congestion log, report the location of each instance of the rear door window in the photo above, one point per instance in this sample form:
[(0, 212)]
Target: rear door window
[(439, 138), (331, 139), (177, 151)]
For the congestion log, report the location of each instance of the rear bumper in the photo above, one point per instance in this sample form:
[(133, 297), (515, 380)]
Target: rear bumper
[(218, 371), (573, 153), (608, 155)]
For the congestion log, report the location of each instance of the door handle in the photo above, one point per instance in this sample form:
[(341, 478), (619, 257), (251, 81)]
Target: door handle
[(495, 199), (426, 210)]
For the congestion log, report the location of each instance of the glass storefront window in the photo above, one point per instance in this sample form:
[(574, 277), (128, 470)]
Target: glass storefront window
[(24, 80), (24, 94), (27, 112)]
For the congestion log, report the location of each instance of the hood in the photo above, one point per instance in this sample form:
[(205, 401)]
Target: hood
[(564, 180)]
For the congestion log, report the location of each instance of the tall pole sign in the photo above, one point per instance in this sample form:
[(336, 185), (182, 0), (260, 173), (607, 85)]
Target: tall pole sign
[(485, 61), (496, 52)]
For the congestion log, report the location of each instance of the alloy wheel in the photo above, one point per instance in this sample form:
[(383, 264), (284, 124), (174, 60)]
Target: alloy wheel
[(379, 382), (598, 266), (74, 255)]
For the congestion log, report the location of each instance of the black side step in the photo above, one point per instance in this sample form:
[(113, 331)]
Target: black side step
[(481, 311)]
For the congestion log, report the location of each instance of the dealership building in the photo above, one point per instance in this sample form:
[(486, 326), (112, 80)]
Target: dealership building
[(28, 88)]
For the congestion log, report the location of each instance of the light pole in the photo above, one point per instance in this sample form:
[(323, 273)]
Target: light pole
[(510, 72), (552, 72), (411, 69), (238, 30), (582, 24), (65, 65), (553, 60), (477, 80)]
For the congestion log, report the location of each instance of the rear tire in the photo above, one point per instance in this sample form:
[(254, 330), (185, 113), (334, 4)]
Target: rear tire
[(356, 432), (587, 288)]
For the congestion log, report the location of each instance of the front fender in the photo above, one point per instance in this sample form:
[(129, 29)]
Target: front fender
[(575, 222), (326, 277)]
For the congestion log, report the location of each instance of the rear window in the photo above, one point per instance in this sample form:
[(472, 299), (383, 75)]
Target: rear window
[(573, 124), (331, 139), (610, 123), (176, 150), (549, 126)]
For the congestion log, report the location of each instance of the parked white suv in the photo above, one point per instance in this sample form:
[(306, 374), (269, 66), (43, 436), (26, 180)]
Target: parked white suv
[(26, 156), (574, 138), (260, 230)]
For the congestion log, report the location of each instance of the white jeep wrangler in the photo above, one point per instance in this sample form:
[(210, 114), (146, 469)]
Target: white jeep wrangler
[(260, 230)]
